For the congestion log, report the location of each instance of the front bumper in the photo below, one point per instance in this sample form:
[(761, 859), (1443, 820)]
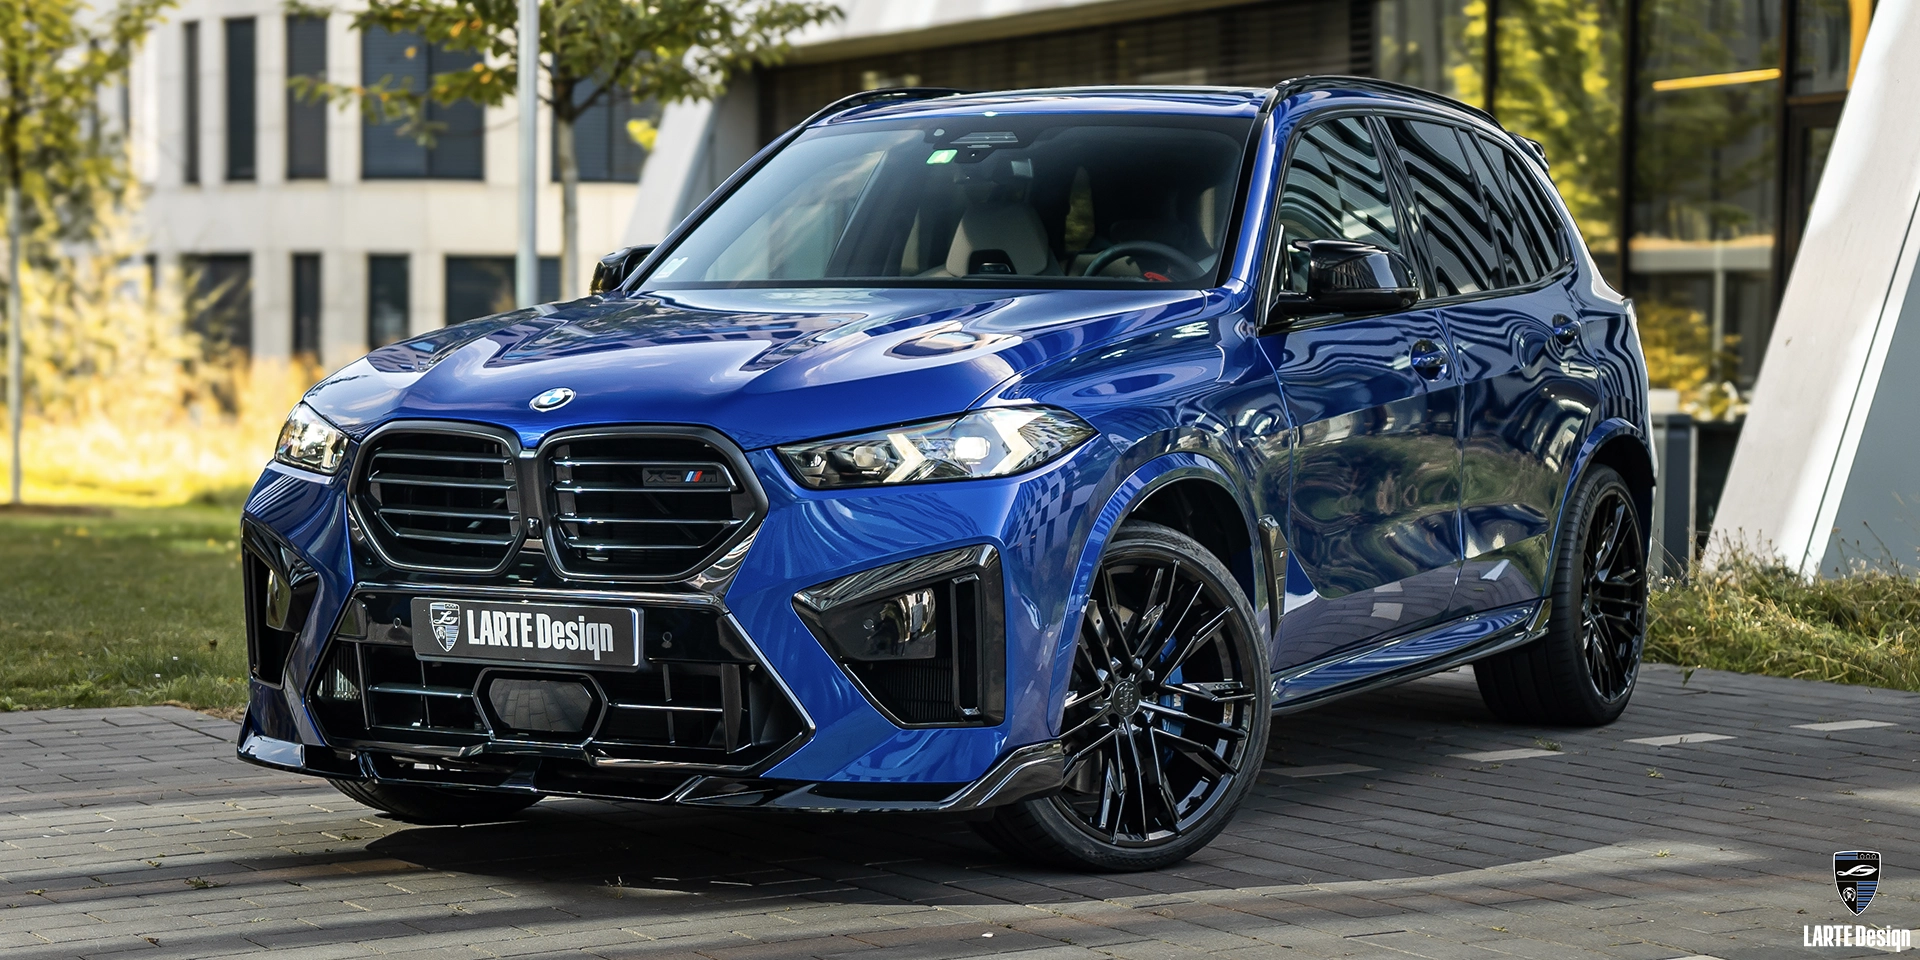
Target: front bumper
[(839, 748), (1029, 771)]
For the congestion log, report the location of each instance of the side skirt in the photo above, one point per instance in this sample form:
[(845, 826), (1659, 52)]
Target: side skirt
[(1409, 657)]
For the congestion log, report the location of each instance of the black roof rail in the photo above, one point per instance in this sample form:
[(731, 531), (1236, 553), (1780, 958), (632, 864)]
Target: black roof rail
[(1287, 88), (864, 97)]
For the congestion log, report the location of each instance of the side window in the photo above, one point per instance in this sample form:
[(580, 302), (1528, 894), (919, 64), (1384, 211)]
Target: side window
[(1535, 217), (1451, 213), (1511, 268), (1335, 188)]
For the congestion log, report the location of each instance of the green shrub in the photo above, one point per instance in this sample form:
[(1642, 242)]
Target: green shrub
[(1756, 616)]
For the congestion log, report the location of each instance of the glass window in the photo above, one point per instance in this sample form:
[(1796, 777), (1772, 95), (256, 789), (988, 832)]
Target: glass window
[(479, 286), (1706, 192), (1537, 226), (1436, 45), (1047, 198), (1828, 36), (1336, 188), (306, 305), (240, 99), (387, 299), (221, 311), (403, 60), (603, 146), (306, 119), (1561, 82), (1506, 269), (190, 65), (1450, 213)]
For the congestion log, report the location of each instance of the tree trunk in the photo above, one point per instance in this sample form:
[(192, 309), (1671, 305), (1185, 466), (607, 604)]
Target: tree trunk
[(569, 205), (14, 364)]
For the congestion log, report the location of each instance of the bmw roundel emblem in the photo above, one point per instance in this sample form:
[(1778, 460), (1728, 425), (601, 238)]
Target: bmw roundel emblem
[(552, 399)]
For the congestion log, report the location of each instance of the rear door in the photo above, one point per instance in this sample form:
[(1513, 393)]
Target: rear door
[(1525, 390), (1372, 518)]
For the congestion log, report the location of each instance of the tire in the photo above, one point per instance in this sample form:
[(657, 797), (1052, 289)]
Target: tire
[(435, 805), (1582, 672), (1165, 720)]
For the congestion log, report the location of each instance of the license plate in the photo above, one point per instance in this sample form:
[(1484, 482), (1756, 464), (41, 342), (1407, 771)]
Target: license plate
[(530, 633)]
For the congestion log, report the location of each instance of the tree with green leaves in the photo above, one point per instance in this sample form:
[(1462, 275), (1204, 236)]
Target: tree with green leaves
[(591, 51), (58, 164)]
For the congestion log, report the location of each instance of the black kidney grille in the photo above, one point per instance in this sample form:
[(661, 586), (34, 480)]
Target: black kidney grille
[(441, 500), (642, 506)]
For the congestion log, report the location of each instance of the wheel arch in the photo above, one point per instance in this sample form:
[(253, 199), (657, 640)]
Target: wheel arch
[(1187, 481), (1626, 451), (1200, 505)]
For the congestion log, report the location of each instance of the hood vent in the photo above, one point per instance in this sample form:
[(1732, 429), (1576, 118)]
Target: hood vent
[(644, 505)]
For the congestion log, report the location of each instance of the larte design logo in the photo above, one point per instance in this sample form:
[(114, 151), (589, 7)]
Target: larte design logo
[(445, 619), (1857, 874)]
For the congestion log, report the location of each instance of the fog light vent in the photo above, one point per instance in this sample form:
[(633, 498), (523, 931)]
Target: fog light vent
[(923, 638), (541, 706)]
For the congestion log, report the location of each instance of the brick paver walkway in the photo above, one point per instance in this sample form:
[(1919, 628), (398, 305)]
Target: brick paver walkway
[(1399, 824)]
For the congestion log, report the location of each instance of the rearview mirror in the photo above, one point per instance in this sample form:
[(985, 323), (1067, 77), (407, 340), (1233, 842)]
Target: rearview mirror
[(1343, 277), (614, 268)]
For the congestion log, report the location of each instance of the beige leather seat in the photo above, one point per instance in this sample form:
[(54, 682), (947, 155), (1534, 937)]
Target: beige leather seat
[(1009, 226)]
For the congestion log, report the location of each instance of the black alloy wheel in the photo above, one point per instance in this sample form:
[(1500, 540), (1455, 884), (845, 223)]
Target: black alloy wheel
[(1165, 718), (1582, 671), (1613, 596)]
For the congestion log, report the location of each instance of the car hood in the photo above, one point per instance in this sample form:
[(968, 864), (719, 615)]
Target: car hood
[(762, 366)]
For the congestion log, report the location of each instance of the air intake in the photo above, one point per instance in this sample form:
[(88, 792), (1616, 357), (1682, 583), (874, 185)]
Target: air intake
[(644, 505), (440, 500)]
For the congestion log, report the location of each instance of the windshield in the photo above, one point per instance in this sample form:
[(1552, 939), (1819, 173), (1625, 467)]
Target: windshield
[(1041, 200)]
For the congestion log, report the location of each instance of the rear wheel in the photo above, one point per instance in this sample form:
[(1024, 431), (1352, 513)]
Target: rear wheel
[(435, 805), (1165, 722), (1583, 671)]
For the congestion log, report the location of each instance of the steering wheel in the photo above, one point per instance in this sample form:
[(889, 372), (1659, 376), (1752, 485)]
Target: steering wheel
[(1174, 258)]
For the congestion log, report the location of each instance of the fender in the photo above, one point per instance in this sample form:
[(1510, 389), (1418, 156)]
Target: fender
[(1605, 431), (1129, 493)]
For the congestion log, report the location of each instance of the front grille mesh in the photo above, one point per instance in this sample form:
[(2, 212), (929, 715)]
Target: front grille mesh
[(641, 506), (445, 501)]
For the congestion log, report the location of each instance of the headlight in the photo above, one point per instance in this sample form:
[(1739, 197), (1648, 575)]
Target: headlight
[(309, 442), (985, 443)]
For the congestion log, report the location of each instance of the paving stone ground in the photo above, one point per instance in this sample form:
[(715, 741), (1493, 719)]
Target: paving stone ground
[(135, 832)]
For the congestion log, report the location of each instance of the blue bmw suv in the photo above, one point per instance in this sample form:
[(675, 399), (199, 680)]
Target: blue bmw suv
[(1014, 455)]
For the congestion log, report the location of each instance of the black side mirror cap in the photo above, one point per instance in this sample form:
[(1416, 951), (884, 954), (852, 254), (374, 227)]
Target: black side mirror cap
[(614, 268), (1343, 278)]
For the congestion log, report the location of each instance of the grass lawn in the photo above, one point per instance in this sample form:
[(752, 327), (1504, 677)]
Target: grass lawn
[(143, 606), (136, 607)]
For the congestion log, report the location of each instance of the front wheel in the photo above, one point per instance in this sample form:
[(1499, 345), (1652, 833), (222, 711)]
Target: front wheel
[(1165, 722), (1583, 670)]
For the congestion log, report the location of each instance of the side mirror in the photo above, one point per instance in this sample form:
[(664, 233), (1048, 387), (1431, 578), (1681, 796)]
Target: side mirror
[(1344, 277), (614, 268)]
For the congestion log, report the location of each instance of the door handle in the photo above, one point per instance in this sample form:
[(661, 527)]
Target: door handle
[(1429, 359), (1566, 330)]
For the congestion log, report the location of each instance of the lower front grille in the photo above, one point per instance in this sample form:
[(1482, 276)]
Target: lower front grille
[(718, 708)]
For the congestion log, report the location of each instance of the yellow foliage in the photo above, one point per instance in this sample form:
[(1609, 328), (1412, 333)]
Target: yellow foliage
[(124, 406), (643, 133)]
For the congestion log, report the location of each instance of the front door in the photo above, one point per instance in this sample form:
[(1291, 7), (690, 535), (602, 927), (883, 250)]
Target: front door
[(1372, 518)]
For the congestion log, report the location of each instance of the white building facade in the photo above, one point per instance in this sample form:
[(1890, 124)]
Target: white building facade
[(327, 234)]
